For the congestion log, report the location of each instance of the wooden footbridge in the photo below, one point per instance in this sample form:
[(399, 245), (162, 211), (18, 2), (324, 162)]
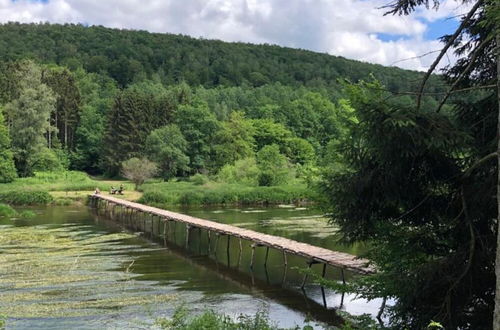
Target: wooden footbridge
[(129, 213)]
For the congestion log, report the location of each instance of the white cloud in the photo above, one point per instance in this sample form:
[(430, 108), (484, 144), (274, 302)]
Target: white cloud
[(340, 27)]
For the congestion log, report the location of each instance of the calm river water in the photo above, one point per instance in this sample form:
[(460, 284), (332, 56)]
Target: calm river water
[(71, 268)]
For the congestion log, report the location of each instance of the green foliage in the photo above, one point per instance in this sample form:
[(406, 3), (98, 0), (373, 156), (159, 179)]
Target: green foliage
[(137, 111), (235, 140), (199, 179), (7, 167), (27, 214), (273, 166), (187, 193), (28, 115), (7, 211), (299, 151), (138, 170), (129, 56), (243, 171), (97, 92), (167, 147), (26, 197), (211, 320), (403, 190), (46, 160), (68, 100), (268, 132), (199, 126)]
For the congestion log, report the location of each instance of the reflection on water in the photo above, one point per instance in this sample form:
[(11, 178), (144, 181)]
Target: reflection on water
[(70, 268)]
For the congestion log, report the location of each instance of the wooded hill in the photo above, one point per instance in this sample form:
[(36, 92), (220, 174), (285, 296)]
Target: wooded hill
[(128, 56), (101, 96)]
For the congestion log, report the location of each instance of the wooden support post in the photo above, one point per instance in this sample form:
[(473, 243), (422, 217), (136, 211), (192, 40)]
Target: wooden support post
[(152, 225), (285, 264), (253, 256), (175, 229), (208, 238), (165, 232), (323, 273), (306, 275), (267, 254), (216, 243), (188, 229), (240, 254), (227, 250)]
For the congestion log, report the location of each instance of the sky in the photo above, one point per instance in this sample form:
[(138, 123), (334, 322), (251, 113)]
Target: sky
[(355, 29)]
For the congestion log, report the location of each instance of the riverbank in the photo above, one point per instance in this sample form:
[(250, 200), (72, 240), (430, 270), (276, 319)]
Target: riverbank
[(73, 187)]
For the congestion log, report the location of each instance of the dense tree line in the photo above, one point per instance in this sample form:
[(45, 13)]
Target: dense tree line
[(131, 56)]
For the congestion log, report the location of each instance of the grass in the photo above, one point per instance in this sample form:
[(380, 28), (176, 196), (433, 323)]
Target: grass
[(214, 193), (211, 320), (60, 188), (70, 187)]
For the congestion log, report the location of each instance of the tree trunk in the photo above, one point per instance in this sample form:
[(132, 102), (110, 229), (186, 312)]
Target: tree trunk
[(66, 133), (496, 315)]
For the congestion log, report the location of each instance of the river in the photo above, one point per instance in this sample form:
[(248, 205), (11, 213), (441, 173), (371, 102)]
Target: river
[(70, 268)]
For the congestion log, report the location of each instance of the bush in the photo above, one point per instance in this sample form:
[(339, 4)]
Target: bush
[(27, 214), (199, 179), (209, 320), (46, 160), (244, 171), (26, 197), (7, 211)]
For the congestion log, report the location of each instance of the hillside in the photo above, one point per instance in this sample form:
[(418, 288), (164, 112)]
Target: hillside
[(128, 56)]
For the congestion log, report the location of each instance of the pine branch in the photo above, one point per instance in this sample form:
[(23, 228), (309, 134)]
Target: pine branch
[(445, 49), (474, 56)]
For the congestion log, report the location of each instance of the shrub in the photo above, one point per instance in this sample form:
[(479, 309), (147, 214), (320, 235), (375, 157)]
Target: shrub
[(181, 320), (27, 214), (7, 211), (46, 160), (138, 170), (199, 179), (273, 166), (26, 197), (243, 171)]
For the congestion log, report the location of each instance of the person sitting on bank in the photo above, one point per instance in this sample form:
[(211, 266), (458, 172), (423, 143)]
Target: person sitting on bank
[(97, 191), (113, 190), (120, 190)]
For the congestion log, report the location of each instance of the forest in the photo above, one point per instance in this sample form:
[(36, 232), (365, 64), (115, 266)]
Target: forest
[(398, 159), (105, 96)]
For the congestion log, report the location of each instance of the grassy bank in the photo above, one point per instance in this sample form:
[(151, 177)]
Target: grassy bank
[(214, 193), (61, 188), (65, 188)]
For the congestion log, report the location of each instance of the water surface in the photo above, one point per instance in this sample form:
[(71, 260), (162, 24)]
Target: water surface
[(71, 268)]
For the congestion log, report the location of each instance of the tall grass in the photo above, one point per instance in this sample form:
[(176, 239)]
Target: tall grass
[(211, 320), (25, 197), (186, 193), (54, 181)]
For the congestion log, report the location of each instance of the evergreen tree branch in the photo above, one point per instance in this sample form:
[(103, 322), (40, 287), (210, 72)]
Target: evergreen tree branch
[(445, 49), (473, 58)]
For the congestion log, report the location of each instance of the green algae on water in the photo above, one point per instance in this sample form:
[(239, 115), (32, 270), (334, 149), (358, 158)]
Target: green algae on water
[(69, 272)]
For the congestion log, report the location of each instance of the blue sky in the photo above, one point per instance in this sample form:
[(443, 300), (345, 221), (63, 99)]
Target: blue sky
[(354, 29)]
